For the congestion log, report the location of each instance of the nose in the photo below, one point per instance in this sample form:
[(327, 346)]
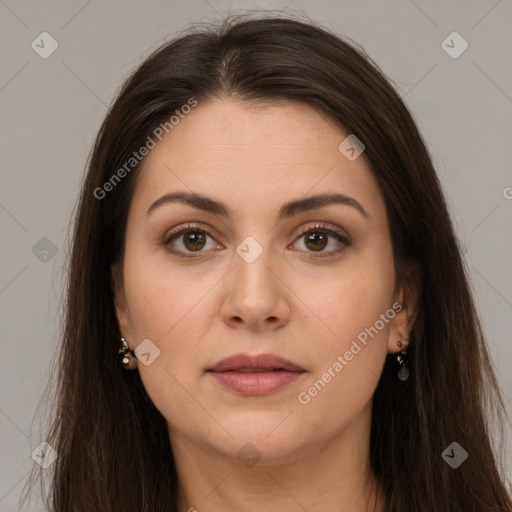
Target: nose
[(256, 296)]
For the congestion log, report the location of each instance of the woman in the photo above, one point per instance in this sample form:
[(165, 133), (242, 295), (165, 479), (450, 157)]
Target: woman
[(262, 241)]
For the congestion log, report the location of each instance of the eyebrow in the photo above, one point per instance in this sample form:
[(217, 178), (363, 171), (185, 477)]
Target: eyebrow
[(287, 210)]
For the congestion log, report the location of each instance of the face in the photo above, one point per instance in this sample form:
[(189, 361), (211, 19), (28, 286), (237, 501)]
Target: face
[(256, 268)]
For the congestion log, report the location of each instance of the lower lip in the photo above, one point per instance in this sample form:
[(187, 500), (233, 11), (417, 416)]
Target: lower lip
[(256, 383)]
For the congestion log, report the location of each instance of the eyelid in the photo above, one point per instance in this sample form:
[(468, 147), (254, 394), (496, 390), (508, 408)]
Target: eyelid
[(323, 226), (204, 228)]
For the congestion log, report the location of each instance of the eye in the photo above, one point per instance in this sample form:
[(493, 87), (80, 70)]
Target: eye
[(316, 239), (193, 239)]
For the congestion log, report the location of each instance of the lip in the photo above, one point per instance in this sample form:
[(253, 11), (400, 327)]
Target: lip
[(269, 373), (258, 361)]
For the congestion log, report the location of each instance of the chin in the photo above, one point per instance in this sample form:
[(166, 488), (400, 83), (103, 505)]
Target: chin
[(265, 435)]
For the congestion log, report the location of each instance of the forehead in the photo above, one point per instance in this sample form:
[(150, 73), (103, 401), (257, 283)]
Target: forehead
[(230, 129), (260, 152)]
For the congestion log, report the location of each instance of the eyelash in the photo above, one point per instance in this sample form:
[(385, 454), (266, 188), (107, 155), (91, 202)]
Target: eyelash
[(318, 227)]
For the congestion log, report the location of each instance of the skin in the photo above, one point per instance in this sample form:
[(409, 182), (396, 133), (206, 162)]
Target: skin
[(289, 302)]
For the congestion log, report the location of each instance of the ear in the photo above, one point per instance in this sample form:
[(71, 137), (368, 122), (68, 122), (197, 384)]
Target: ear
[(406, 305), (120, 303)]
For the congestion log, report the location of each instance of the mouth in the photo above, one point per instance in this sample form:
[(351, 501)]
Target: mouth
[(256, 370), (255, 375), (257, 363)]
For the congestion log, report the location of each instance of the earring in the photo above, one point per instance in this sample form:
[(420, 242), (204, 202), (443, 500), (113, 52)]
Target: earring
[(128, 360), (403, 372)]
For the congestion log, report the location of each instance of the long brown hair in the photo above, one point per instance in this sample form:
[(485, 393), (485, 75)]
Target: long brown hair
[(112, 443)]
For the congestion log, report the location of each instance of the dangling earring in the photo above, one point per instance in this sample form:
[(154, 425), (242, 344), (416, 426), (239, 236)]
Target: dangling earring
[(403, 372), (128, 360)]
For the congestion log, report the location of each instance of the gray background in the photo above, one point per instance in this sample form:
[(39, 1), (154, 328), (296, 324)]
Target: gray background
[(52, 108)]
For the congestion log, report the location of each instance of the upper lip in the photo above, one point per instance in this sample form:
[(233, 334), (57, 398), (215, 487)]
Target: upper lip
[(259, 361)]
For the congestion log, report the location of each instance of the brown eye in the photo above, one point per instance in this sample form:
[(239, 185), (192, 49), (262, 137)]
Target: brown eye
[(190, 240), (194, 240), (316, 241)]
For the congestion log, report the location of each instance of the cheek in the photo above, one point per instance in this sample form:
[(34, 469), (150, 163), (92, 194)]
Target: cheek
[(350, 298), (350, 342), (173, 308), (161, 297), (165, 306)]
